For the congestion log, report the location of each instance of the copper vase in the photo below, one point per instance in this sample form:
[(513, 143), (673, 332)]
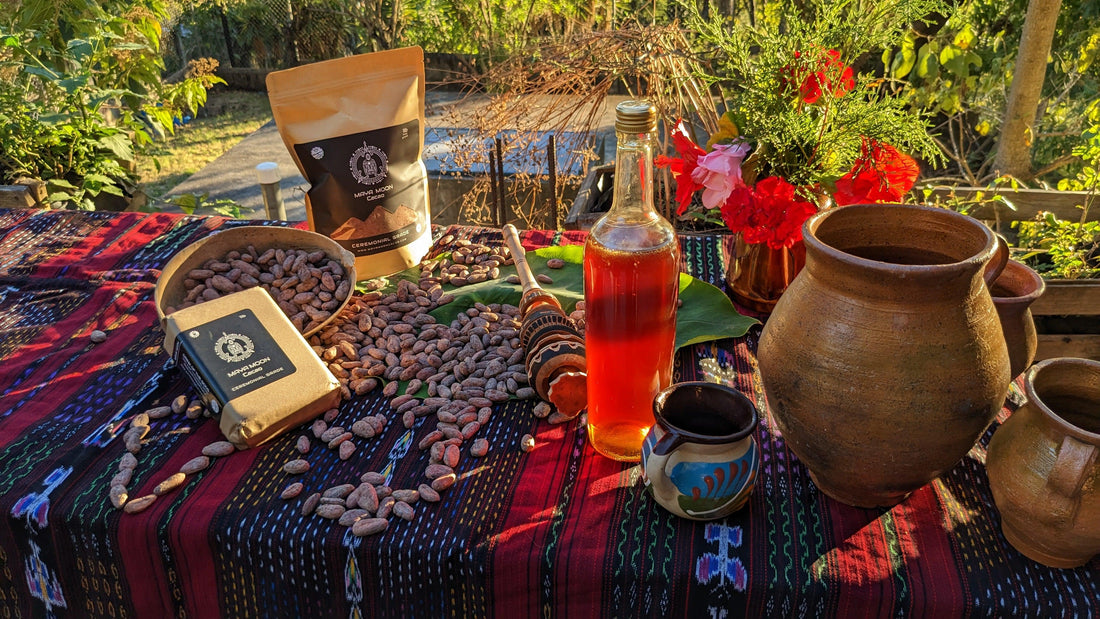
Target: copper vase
[(1044, 468), (758, 275), (1013, 292), (885, 360)]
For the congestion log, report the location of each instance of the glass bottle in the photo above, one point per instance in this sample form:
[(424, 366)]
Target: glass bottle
[(631, 283)]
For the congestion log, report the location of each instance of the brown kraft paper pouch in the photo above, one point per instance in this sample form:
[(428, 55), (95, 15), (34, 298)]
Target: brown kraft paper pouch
[(355, 127)]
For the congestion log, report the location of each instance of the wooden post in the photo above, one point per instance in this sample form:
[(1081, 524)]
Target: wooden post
[(16, 196)]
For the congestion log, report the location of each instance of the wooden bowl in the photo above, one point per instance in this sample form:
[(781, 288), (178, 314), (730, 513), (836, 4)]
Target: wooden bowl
[(170, 290)]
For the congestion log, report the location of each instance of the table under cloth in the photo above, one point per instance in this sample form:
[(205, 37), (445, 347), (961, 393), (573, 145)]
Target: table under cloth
[(559, 531)]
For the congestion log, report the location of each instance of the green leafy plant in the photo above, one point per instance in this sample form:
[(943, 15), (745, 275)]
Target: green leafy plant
[(81, 93), (1060, 249), (959, 71)]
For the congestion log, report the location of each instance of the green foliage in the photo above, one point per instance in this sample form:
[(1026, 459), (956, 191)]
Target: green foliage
[(755, 65), (81, 93), (1058, 248), (960, 73), (192, 203), (1087, 151)]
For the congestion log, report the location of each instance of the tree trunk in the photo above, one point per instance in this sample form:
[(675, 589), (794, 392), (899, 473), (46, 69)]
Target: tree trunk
[(1014, 149)]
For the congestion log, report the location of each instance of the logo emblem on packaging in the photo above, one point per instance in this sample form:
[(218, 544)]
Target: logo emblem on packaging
[(234, 347), (368, 164), (317, 152)]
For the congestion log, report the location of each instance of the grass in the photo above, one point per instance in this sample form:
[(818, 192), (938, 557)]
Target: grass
[(228, 117)]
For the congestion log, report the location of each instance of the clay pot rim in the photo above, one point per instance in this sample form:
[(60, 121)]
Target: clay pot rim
[(976, 262), (1028, 272), (1032, 396), (707, 439)]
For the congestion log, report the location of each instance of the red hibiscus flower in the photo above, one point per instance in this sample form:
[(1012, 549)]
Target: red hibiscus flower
[(831, 75), (683, 166), (881, 174), (771, 212)]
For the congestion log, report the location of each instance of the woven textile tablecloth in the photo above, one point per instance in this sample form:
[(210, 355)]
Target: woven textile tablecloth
[(559, 531)]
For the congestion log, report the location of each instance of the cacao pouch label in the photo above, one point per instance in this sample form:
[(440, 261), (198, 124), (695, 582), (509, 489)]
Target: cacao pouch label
[(232, 355), (355, 128), (372, 185)]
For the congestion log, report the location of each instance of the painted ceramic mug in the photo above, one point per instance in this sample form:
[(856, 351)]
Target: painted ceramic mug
[(700, 458)]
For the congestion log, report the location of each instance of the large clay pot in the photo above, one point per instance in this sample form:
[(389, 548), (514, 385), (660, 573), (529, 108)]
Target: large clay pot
[(1043, 465), (1013, 293), (884, 360)]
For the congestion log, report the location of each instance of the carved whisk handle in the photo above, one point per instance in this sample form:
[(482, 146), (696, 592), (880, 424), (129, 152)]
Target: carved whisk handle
[(555, 351), (526, 277), (533, 294)]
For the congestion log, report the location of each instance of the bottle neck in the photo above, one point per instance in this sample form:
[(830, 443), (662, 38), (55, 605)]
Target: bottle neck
[(633, 197)]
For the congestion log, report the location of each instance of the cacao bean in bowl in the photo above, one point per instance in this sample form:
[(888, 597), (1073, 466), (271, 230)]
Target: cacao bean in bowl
[(208, 268)]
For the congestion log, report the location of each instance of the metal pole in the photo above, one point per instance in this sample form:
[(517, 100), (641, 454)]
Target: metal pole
[(500, 181), (494, 210), (268, 175), (552, 161)]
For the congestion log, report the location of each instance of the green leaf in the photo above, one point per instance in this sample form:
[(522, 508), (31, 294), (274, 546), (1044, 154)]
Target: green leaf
[(964, 38), (130, 46), (706, 314), (10, 41), (928, 65), (904, 61), (957, 61), (39, 71), (119, 144), (72, 84), (62, 183), (99, 178), (112, 189)]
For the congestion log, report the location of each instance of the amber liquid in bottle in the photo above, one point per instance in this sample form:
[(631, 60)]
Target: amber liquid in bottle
[(631, 283)]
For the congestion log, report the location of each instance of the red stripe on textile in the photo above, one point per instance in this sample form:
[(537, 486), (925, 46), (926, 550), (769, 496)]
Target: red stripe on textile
[(535, 239), (105, 244), (927, 547), (188, 532), (593, 516), (127, 322), (861, 560), (516, 552)]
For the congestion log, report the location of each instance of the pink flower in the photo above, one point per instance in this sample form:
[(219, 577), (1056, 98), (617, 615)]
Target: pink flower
[(719, 172)]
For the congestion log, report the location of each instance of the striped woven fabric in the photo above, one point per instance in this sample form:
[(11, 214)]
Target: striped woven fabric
[(559, 531)]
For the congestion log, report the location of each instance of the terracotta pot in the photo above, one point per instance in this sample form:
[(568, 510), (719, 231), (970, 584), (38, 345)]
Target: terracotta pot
[(758, 275), (1013, 293), (1043, 466), (884, 360)]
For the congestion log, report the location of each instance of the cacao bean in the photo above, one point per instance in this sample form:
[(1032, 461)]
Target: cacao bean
[(218, 449), (296, 467), (140, 504)]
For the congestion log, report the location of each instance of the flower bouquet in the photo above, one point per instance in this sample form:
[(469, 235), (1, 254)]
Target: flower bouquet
[(802, 130)]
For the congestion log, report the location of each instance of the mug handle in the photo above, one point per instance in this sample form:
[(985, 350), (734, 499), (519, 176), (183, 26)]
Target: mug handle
[(1075, 459), (997, 263), (654, 465), (667, 443)]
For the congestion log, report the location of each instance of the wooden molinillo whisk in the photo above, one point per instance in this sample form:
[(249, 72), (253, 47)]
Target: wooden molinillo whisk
[(555, 349)]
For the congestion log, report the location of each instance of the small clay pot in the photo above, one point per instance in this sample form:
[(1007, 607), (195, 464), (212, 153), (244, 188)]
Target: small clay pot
[(1043, 466), (1014, 290)]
